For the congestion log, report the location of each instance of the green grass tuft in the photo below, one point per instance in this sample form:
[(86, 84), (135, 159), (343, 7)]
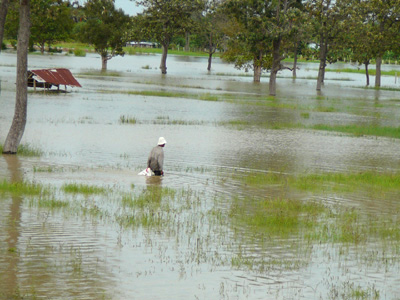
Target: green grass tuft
[(21, 188), (75, 188), (127, 120), (26, 150)]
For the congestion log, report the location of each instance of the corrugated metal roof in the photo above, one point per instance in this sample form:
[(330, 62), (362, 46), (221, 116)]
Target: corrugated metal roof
[(56, 77)]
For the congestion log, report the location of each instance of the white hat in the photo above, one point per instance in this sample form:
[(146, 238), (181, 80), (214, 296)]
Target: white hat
[(161, 141)]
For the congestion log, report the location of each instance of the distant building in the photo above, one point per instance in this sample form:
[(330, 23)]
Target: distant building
[(143, 44)]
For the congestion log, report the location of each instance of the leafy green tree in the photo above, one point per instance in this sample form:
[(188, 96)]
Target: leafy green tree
[(51, 22), (287, 18), (106, 28), (3, 14), (383, 18), (360, 38), (262, 29), (163, 20), (209, 29), (12, 21), (247, 31), (326, 20)]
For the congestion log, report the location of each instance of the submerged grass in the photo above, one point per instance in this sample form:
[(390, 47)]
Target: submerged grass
[(127, 119), (78, 188), (357, 130), (362, 71), (26, 150), (49, 203), (311, 221), (338, 182), (279, 216), (22, 188), (315, 221), (100, 73)]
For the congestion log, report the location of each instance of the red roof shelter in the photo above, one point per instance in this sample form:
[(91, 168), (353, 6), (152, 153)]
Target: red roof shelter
[(46, 78)]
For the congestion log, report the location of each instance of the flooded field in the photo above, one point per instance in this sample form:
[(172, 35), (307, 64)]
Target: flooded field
[(262, 198)]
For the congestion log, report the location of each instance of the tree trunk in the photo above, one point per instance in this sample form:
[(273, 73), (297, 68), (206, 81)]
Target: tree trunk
[(296, 47), (210, 54), (19, 121), (367, 71), (257, 74), (104, 60), (257, 68), (276, 62), (187, 41), (3, 15), (163, 65), (378, 71), (322, 64)]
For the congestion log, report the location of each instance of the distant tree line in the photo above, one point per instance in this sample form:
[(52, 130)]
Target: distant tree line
[(255, 35)]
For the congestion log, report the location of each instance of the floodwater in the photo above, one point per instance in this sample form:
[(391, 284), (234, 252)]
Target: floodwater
[(66, 254)]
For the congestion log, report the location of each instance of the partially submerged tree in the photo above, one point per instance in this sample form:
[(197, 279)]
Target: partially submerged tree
[(105, 28), (360, 38), (384, 20), (263, 28), (283, 27), (210, 29), (162, 20), (20, 114), (325, 19), (248, 39)]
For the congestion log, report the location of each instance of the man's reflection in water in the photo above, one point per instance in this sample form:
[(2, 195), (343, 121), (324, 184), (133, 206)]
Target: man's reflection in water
[(154, 188)]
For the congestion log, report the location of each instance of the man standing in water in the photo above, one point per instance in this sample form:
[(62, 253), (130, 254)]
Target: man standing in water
[(156, 158)]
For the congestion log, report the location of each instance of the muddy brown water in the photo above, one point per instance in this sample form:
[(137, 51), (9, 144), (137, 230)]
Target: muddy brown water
[(51, 254)]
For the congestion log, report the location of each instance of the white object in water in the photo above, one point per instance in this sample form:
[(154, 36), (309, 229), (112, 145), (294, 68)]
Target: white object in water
[(146, 172)]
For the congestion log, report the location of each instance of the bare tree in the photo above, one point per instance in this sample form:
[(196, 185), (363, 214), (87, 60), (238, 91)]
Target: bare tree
[(19, 121)]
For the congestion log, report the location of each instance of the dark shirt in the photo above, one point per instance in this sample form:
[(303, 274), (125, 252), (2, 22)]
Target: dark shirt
[(156, 159)]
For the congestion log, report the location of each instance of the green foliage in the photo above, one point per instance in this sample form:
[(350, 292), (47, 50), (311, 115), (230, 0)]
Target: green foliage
[(105, 28), (258, 31), (162, 20), (80, 52), (51, 21)]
